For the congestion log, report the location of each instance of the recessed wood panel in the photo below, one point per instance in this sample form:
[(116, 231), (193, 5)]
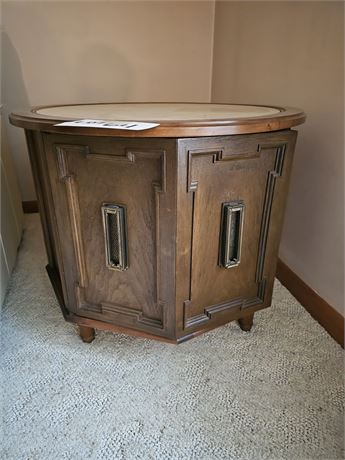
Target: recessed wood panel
[(85, 177), (249, 172)]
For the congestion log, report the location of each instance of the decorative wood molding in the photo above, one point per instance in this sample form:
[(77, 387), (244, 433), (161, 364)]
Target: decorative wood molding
[(159, 187), (159, 155), (73, 205), (106, 326), (192, 186), (128, 157), (216, 155), (134, 313), (269, 194), (209, 312), (329, 318)]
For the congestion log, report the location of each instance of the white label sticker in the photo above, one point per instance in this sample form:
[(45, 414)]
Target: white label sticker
[(129, 125)]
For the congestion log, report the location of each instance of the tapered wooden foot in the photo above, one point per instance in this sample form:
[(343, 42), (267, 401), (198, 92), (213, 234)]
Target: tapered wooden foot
[(246, 322), (87, 334)]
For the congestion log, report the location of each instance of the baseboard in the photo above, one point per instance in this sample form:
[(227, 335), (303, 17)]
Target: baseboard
[(29, 207), (323, 312)]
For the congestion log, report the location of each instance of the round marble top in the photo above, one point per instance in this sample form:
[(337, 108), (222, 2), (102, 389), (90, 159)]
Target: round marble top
[(173, 119), (159, 112)]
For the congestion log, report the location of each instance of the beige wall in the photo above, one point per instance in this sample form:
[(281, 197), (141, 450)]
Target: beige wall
[(65, 52), (293, 54), (11, 214)]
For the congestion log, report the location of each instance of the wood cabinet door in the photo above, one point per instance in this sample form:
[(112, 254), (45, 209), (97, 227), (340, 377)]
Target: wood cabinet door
[(248, 174), (90, 175)]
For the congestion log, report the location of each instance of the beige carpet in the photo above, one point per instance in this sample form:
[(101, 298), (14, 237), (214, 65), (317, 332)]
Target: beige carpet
[(274, 393)]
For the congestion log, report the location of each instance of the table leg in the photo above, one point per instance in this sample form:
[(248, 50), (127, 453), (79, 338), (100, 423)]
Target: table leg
[(87, 334), (246, 322)]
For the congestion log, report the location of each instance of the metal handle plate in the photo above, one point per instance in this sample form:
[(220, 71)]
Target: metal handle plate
[(115, 236), (231, 234)]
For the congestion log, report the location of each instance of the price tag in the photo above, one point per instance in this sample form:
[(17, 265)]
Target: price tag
[(128, 125)]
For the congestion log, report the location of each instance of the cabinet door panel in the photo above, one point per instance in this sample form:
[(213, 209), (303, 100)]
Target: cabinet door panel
[(250, 170), (84, 178)]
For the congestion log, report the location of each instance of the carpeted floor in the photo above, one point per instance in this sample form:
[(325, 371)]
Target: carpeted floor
[(274, 393)]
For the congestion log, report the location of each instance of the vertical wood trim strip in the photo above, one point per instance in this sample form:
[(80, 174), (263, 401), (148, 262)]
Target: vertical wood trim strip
[(74, 210)]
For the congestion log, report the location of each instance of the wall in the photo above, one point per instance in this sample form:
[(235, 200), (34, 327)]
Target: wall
[(292, 53), (11, 215), (69, 52)]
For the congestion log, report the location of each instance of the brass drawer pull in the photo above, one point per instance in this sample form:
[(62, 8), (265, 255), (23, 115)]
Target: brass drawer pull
[(115, 236), (231, 234)]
